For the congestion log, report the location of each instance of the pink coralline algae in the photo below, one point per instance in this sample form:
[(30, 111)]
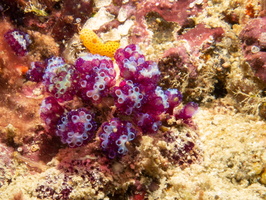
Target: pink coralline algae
[(185, 55), (181, 11), (182, 64), (134, 101), (201, 37), (19, 41), (253, 37)]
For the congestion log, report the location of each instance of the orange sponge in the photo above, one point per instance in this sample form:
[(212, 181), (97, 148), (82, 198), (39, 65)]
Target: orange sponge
[(94, 44), (109, 48)]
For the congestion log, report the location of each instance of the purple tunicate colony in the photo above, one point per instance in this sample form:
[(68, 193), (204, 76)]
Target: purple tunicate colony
[(94, 76), (136, 104), (76, 127), (36, 72), (114, 135), (51, 113), (19, 41), (58, 79)]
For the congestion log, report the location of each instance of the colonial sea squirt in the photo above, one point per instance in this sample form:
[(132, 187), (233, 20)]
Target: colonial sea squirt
[(138, 103)]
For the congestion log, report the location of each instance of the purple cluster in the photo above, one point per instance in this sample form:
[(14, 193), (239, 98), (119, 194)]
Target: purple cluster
[(138, 94), (94, 76), (133, 66), (58, 79), (128, 97), (76, 127), (51, 113), (114, 135), (139, 104), (36, 72), (19, 41)]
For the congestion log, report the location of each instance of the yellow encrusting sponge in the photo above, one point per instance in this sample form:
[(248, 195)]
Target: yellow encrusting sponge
[(94, 44)]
